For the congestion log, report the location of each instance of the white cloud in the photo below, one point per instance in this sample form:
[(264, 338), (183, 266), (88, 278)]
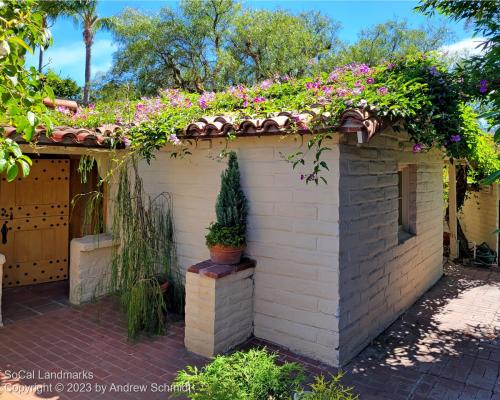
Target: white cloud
[(463, 48), (69, 59)]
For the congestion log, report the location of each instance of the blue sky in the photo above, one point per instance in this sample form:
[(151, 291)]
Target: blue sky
[(67, 54)]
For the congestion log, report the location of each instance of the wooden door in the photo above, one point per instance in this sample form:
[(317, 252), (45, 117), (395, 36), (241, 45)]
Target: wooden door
[(34, 229)]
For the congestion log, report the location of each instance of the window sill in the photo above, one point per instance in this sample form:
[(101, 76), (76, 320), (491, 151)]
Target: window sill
[(403, 236)]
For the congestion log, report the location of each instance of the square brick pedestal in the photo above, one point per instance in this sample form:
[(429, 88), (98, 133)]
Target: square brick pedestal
[(219, 306)]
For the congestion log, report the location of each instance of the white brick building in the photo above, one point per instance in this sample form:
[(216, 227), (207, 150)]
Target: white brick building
[(336, 263), (480, 216)]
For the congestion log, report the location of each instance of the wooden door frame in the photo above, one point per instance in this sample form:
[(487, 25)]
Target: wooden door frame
[(70, 153)]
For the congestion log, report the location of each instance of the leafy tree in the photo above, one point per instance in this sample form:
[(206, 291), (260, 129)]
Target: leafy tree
[(50, 10), (84, 13), (392, 39), (480, 73), (174, 49), (208, 44), (65, 88), (268, 43), (21, 90)]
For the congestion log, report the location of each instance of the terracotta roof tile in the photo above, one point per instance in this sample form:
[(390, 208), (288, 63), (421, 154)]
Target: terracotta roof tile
[(358, 121), (351, 121), (69, 104), (68, 136)]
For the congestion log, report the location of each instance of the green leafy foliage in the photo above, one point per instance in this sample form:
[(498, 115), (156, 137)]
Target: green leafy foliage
[(231, 205), (482, 152), (65, 88), (228, 236), (206, 45), (323, 389), (144, 228), (480, 72), (252, 375), (392, 39), (21, 90), (417, 92), (231, 209)]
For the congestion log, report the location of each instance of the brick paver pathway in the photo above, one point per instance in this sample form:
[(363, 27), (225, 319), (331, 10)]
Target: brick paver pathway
[(447, 346)]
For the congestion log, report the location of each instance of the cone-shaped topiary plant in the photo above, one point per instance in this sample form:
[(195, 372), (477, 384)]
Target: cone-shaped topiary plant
[(231, 205), (231, 210)]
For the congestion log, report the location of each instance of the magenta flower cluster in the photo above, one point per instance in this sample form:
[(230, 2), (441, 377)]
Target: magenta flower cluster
[(146, 108), (174, 139), (240, 92), (382, 91), (455, 138), (313, 85), (63, 110), (264, 85), (205, 99), (300, 122), (176, 98)]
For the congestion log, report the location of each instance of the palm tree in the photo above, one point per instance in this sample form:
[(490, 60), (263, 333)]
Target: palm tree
[(50, 10), (84, 13)]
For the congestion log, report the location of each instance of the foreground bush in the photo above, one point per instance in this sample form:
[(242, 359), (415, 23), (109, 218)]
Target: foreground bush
[(255, 375), (252, 375), (322, 389)]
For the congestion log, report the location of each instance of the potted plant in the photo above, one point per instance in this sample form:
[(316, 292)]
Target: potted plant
[(226, 238)]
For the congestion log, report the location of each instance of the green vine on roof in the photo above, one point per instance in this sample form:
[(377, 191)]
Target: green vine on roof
[(417, 91)]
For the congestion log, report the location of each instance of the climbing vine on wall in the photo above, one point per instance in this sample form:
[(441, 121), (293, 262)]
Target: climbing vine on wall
[(417, 91)]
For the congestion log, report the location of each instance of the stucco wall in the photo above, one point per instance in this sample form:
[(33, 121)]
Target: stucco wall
[(479, 216), (379, 277), (292, 234)]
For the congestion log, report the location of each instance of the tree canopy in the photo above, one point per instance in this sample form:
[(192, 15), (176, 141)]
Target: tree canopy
[(393, 39), (65, 88), (207, 45), (480, 73)]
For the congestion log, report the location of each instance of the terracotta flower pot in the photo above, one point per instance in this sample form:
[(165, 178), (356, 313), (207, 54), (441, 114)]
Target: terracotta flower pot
[(164, 287), (226, 255)]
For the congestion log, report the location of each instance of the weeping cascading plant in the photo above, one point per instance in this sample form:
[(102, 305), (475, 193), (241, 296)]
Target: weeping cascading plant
[(146, 255)]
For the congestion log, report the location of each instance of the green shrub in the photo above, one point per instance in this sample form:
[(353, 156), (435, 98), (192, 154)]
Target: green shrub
[(231, 205), (229, 236), (252, 375), (230, 208), (323, 389)]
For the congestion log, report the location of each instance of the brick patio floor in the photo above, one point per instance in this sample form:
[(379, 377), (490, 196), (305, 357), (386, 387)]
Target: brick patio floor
[(447, 346)]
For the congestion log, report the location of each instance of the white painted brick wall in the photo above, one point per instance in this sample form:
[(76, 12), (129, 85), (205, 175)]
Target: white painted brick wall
[(380, 278), (303, 268), (479, 217), (292, 234)]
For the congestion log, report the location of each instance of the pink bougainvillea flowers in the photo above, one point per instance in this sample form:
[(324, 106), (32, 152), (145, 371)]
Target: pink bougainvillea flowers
[(382, 91), (266, 84), (174, 139), (313, 85)]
